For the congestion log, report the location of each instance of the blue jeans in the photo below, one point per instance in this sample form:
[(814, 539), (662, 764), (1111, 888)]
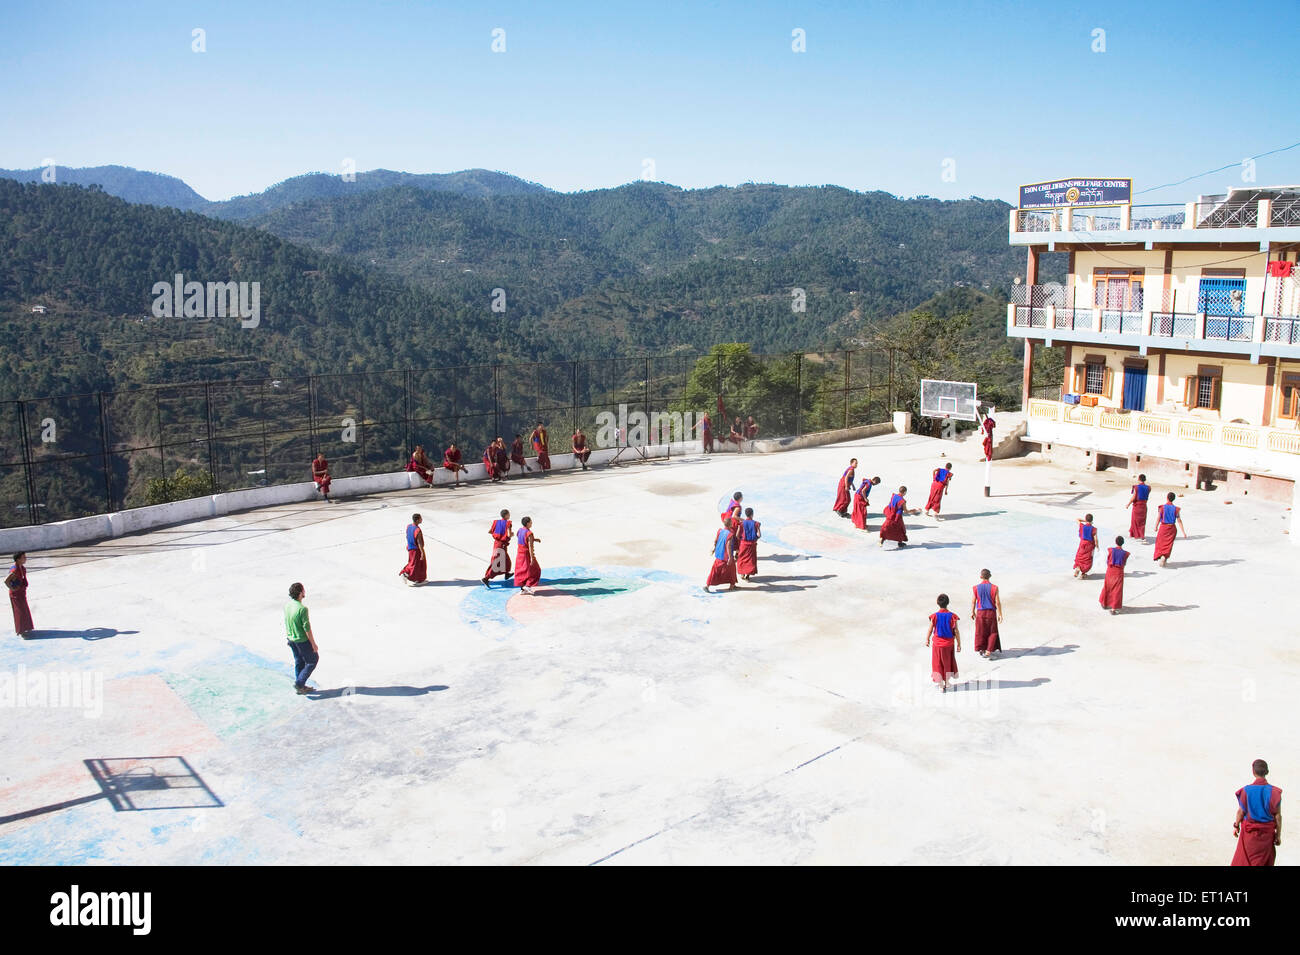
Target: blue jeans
[(304, 661)]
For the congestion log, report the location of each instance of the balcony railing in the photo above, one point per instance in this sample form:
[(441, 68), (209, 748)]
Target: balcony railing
[(1284, 330), (1125, 323), (1174, 324), (1160, 426), (1209, 212)]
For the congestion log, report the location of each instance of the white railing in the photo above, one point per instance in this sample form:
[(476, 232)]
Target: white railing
[(1146, 424), (1209, 212)]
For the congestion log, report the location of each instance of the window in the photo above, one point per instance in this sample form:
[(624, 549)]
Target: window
[(1092, 377), (1290, 396), (1117, 289), (1205, 388)]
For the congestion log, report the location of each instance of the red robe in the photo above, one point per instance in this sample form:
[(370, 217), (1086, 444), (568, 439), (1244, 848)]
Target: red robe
[(320, 473), (747, 554), (842, 492), (490, 461), (1255, 844), (528, 573), (1165, 535), (580, 450), (893, 529), (751, 431), (500, 561), (1083, 555), (986, 623), (451, 459), (937, 488), (517, 453), (18, 600), (860, 503), (1112, 589), (1137, 524), (988, 424), (417, 566), (724, 569), (737, 437), (422, 467), (541, 446), (706, 434), (943, 655)]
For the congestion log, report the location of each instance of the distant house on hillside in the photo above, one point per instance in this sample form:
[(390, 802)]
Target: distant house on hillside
[(38, 309)]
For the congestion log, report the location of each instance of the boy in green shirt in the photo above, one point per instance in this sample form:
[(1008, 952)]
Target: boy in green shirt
[(297, 628)]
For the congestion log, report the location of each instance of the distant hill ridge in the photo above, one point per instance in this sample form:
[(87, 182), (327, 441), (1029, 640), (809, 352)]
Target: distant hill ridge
[(157, 189)]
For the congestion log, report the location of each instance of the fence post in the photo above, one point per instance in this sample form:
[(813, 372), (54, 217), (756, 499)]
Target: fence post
[(266, 471), (798, 389), (103, 445), (573, 393), (496, 400), (406, 410), (848, 361), (28, 479), (162, 451), (311, 415), (647, 404), (212, 454), (890, 409)]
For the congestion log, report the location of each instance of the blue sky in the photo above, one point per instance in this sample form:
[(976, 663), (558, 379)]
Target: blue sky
[(711, 92)]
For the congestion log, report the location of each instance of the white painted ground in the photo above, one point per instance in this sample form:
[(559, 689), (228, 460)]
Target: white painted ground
[(627, 717)]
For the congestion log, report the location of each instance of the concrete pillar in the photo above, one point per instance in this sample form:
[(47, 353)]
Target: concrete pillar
[(1189, 215), (1015, 221), (1027, 384), (1031, 266), (1265, 214), (1126, 217)]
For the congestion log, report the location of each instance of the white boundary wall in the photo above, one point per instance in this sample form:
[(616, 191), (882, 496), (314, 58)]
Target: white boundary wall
[(82, 530)]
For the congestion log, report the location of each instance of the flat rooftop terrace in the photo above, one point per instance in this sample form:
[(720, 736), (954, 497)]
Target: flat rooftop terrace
[(622, 715)]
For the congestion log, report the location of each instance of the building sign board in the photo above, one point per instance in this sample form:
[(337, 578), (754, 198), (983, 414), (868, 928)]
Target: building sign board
[(1076, 192)]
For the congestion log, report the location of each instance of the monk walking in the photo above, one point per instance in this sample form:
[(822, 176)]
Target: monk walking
[(1137, 524), (893, 529), (528, 573), (1112, 588), (724, 561), (1258, 826), (1087, 544), (16, 581), (1167, 518), (416, 570), (421, 465), (580, 450), (706, 433), (452, 462), (944, 642), (861, 501), (541, 447), (320, 473), (747, 552), (939, 481), (500, 561), (986, 611), (844, 489)]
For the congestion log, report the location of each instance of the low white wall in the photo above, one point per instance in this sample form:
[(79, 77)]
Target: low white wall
[(44, 537)]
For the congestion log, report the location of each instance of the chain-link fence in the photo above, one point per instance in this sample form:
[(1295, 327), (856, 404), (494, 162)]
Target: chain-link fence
[(72, 456)]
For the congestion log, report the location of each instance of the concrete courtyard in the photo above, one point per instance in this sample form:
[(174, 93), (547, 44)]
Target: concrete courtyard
[(622, 715)]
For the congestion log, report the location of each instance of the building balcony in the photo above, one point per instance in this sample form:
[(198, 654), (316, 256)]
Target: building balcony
[(1252, 336), (1234, 447), (1226, 218)]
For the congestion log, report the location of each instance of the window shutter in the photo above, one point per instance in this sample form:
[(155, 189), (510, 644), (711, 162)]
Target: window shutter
[(1218, 383), (1080, 379), (1189, 391), (1106, 382)]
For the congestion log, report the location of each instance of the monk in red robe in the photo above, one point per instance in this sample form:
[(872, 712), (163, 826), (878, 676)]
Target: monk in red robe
[(16, 582), (987, 424), (541, 446), (499, 565), (1137, 525), (417, 567), (737, 436), (580, 450), (751, 429), (893, 529), (861, 501), (1112, 588), (724, 561), (452, 462), (1087, 544), (732, 517), (528, 573), (944, 642), (421, 464), (1168, 517), (1258, 826), (490, 461), (844, 489), (706, 433), (320, 473), (747, 551), (940, 478), (517, 454), (986, 611)]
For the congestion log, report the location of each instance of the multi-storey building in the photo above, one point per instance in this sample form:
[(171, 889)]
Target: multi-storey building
[(1181, 331)]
